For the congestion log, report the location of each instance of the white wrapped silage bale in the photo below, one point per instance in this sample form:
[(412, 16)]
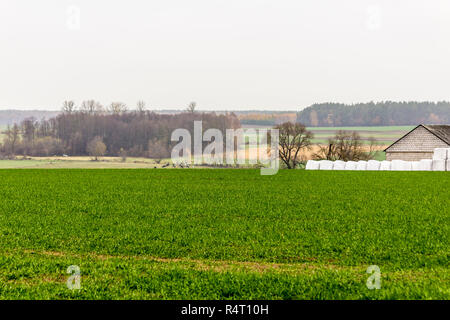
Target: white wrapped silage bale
[(407, 166), (416, 166), (362, 165), (397, 165), (312, 165), (373, 165), (439, 165), (339, 165), (385, 165), (351, 165), (426, 164), (326, 165), (440, 154)]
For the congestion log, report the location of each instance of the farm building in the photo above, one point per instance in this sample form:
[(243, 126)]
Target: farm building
[(419, 143)]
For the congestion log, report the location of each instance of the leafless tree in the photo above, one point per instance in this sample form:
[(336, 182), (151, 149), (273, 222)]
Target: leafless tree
[(123, 155), (29, 127), (12, 138), (157, 150), (91, 107), (347, 146), (191, 107), (140, 106), (68, 106), (96, 148), (117, 108), (293, 139)]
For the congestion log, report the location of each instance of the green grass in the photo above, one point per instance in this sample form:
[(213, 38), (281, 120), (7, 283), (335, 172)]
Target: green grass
[(223, 234), (383, 135), (375, 128)]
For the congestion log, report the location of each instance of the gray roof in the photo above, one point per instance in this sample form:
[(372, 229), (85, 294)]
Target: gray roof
[(440, 131)]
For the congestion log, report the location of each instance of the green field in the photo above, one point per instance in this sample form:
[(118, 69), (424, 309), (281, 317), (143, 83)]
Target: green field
[(373, 129), (103, 163), (223, 234), (383, 135)]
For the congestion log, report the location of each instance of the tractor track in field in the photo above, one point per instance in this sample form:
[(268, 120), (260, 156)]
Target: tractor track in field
[(200, 264)]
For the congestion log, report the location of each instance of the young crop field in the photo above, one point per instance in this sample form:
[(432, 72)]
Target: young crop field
[(383, 135), (223, 234)]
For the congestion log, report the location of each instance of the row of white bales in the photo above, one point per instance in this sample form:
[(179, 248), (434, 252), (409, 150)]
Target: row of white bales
[(440, 162)]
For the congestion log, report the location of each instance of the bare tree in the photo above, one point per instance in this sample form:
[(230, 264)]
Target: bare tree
[(91, 107), (123, 155), (12, 138), (191, 107), (140, 106), (347, 146), (29, 127), (117, 108), (157, 150), (68, 106), (293, 138), (96, 148)]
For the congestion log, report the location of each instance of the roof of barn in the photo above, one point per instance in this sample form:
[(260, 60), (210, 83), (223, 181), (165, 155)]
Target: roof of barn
[(441, 131)]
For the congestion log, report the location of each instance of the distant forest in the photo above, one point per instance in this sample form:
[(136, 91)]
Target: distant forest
[(15, 116), (375, 114), (265, 118), (115, 131)]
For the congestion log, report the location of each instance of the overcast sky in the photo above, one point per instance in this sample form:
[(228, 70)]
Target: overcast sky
[(223, 54)]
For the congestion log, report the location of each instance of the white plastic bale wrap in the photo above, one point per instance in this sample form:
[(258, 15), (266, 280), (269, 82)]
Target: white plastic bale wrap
[(439, 165), (397, 165), (312, 165), (385, 165), (339, 165), (362, 165), (351, 165), (407, 166), (426, 164), (440, 154), (326, 165), (416, 166), (373, 165)]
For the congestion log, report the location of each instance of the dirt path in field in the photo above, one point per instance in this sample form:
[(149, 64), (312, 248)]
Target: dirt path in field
[(219, 266), (205, 265)]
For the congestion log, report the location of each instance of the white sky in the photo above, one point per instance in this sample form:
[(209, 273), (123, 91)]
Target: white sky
[(223, 54)]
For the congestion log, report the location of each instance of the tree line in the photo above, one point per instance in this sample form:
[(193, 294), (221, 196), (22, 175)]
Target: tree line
[(80, 131), (385, 113)]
